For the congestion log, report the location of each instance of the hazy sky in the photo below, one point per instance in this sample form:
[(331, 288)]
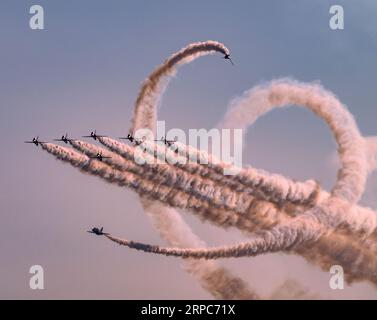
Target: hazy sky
[(83, 72)]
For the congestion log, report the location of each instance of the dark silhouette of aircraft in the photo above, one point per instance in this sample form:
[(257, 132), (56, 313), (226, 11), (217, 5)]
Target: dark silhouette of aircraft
[(93, 135), (98, 231), (64, 139), (132, 139), (35, 141), (227, 57), (99, 156), (169, 143), (129, 137)]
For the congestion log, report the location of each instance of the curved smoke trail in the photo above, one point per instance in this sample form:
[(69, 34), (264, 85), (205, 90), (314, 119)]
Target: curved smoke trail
[(283, 92), (145, 112), (358, 262)]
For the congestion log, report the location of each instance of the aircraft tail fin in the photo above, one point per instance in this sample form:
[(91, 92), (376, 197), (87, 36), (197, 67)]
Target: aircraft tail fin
[(371, 143)]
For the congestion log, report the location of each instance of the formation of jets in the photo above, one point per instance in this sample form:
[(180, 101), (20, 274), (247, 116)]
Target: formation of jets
[(95, 136), (35, 141), (98, 231), (100, 157)]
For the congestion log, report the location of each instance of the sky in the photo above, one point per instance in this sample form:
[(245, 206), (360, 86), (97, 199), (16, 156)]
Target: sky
[(83, 73)]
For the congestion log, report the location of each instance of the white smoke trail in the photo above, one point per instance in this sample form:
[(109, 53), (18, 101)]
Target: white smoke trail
[(283, 92), (358, 262), (67, 155), (152, 89)]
